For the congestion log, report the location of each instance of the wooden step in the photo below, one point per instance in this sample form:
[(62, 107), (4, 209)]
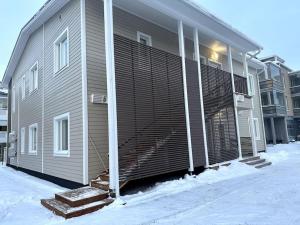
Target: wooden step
[(104, 177), (255, 162), (66, 211), (104, 185), (81, 196), (262, 165), (250, 159)]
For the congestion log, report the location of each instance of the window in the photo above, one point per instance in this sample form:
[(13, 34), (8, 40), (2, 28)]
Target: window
[(33, 78), (251, 85), (33, 139), (23, 86), (275, 72), (256, 129), (61, 51), (61, 135), (203, 60), (264, 98), (144, 39), (22, 142), (13, 99), (215, 64), (279, 99)]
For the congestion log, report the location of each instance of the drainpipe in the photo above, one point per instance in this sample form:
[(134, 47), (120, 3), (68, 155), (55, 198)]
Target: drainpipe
[(234, 100), (186, 101), (112, 100)]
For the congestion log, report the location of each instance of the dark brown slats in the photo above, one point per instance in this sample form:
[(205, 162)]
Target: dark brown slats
[(240, 84), (150, 104), (219, 115)]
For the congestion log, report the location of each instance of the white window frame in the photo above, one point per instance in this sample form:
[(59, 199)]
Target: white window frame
[(34, 83), (22, 140), (30, 151), (251, 92), (147, 37), (256, 129), (56, 151), (23, 86), (56, 51), (210, 61), (13, 98)]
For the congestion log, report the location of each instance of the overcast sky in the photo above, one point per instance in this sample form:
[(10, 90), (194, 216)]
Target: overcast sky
[(273, 24)]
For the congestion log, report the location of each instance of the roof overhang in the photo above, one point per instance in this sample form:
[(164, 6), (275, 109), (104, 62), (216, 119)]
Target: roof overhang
[(47, 11), (190, 13)]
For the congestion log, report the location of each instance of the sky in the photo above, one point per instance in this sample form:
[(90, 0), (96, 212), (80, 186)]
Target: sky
[(271, 23)]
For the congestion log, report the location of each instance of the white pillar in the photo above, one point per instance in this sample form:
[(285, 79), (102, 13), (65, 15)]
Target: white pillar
[(111, 97), (229, 54), (197, 56), (186, 103), (245, 64)]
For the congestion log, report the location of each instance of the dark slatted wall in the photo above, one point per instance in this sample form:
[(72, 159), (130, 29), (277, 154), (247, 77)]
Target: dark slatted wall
[(150, 107), (195, 112), (219, 115)]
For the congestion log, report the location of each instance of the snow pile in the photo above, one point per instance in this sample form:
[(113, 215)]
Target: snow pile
[(281, 152), (210, 176)]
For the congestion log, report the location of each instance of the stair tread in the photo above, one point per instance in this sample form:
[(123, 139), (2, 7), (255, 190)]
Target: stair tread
[(81, 193), (255, 162), (67, 211), (103, 182), (264, 164), (252, 158)]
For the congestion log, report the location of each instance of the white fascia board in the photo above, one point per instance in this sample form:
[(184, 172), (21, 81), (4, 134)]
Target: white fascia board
[(45, 13), (193, 16)]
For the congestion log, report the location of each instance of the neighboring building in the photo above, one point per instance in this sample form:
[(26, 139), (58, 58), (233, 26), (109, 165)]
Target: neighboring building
[(276, 100), (159, 118), (294, 125), (3, 122)]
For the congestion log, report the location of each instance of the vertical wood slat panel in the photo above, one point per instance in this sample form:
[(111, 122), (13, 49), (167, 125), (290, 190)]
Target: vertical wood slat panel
[(150, 107), (219, 115)]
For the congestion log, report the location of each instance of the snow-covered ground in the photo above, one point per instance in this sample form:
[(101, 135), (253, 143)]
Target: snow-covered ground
[(234, 195)]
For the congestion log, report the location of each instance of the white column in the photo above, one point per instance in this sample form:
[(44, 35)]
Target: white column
[(111, 97), (229, 54), (197, 55), (245, 64), (186, 103)]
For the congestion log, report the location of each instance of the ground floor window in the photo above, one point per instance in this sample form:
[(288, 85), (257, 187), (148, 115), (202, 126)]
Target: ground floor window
[(33, 138), (62, 135)]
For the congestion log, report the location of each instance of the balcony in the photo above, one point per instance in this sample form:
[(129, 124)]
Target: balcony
[(295, 91), (3, 137), (274, 110), (271, 84)]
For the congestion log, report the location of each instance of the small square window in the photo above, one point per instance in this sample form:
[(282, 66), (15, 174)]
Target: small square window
[(33, 137), (33, 78), (144, 39), (61, 135), (61, 51)]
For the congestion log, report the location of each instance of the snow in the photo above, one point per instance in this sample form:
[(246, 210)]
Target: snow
[(234, 195)]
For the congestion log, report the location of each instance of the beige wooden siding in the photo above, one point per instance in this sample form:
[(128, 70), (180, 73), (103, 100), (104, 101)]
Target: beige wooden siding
[(62, 93)]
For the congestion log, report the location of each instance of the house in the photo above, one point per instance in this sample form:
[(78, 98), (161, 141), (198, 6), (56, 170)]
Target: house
[(136, 88), (294, 124), (3, 123), (276, 100)]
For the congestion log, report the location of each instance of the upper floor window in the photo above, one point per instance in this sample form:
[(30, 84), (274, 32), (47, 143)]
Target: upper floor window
[(144, 39), (274, 72), (61, 135), (61, 51), (264, 98), (23, 86), (33, 77), (33, 137)]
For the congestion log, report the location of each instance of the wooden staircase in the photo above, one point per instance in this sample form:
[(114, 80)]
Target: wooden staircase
[(256, 161), (81, 201)]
